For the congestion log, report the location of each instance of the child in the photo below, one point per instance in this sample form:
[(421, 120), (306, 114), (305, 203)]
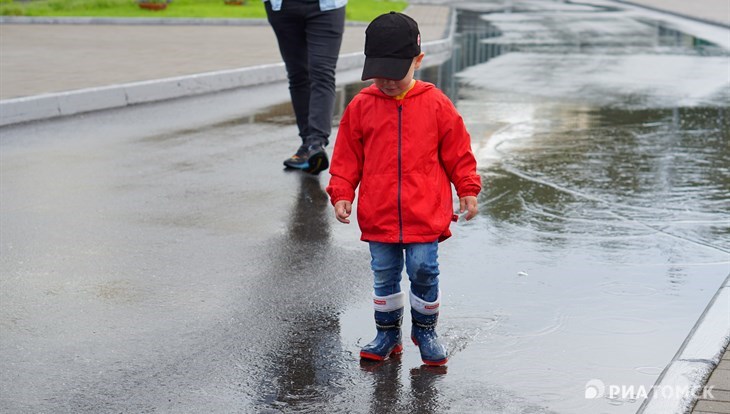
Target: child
[(403, 142)]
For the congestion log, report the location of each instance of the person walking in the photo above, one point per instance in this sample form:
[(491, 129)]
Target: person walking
[(309, 34)]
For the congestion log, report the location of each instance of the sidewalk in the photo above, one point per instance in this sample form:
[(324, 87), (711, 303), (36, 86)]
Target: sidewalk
[(56, 69), (719, 383), (47, 58), (50, 58), (151, 62), (40, 59)]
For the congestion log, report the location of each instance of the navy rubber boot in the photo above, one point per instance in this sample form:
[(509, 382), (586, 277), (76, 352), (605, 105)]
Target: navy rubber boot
[(388, 341), (423, 335)]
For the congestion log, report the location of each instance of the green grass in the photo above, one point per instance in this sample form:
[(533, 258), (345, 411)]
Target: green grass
[(357, 10)]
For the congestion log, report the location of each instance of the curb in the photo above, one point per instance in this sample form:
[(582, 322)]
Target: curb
[(33, 108), (696, 359), (131, 21), (678, 14), (46, 106), (142, 21)]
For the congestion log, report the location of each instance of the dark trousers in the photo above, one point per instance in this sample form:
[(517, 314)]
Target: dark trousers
[(309, 42)]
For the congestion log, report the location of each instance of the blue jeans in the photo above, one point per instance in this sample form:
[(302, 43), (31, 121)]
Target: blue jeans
[(421, 260)]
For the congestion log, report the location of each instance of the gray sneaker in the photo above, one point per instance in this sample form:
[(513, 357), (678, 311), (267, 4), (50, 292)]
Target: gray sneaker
[(317, 160), (299, 160)]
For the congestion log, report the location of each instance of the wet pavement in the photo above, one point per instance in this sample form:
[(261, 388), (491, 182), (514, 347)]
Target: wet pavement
[(715, 12), (56, 55), (156, 259)]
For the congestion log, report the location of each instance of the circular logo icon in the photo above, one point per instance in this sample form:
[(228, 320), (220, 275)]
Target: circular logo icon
[(595, 389)]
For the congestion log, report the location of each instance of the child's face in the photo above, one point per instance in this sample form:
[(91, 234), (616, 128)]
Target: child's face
[(392, 87)]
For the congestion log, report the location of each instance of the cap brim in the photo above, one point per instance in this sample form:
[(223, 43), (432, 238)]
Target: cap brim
[(386, 68)]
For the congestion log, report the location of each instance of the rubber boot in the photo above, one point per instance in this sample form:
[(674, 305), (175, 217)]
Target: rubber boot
[(388, 318), (388, 341), (423, 331)]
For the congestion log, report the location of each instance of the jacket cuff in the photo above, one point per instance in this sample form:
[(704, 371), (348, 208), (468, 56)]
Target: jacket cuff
[(469, 193), (339, 195), (340, 192), (336, 200), (470, 186)]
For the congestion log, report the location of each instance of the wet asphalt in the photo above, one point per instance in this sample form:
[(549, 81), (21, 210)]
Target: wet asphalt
[(143, 272), (159, 259)]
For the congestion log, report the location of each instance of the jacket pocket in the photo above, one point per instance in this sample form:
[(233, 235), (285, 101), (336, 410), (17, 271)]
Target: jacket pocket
[(422, 205), (377, 209)]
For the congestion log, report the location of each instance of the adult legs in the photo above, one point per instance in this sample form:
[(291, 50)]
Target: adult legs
[(289, 25), (324, 32), (309, 42)]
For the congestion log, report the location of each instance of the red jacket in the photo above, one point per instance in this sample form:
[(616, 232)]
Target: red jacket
[(404, 155)]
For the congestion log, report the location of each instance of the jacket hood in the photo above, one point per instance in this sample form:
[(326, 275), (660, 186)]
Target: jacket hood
[(419, 88)]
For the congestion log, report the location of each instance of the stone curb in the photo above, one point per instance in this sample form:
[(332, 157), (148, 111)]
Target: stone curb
[(142, 21), (45, 106), (696, 359), (678, 14), (52, 105)]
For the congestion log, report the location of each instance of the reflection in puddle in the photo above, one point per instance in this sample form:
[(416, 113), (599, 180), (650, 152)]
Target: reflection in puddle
[(613, 207), (604, 146), (614, 181), (575, 30)]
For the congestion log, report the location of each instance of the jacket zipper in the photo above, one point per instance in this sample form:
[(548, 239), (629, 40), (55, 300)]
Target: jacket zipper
[(400, 171)]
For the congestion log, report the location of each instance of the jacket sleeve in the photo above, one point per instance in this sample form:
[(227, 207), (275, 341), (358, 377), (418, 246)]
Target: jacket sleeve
[(455, 151), (347, 158)]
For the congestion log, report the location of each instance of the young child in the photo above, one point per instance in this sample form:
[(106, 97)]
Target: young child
[(403, 142)]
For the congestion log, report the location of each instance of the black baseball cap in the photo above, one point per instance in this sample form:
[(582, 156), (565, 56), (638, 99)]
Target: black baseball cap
[(392, 41)]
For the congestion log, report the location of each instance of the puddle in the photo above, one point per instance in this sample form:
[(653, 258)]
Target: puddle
[(603, 146), (604, 218), (603, 143), (603, 232)]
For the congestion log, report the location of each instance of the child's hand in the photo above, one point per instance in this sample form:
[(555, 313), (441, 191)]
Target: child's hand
[(343, 208), (469, 203)]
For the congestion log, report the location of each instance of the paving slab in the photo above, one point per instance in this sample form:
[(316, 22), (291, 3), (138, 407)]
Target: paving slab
[(717, 400)]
